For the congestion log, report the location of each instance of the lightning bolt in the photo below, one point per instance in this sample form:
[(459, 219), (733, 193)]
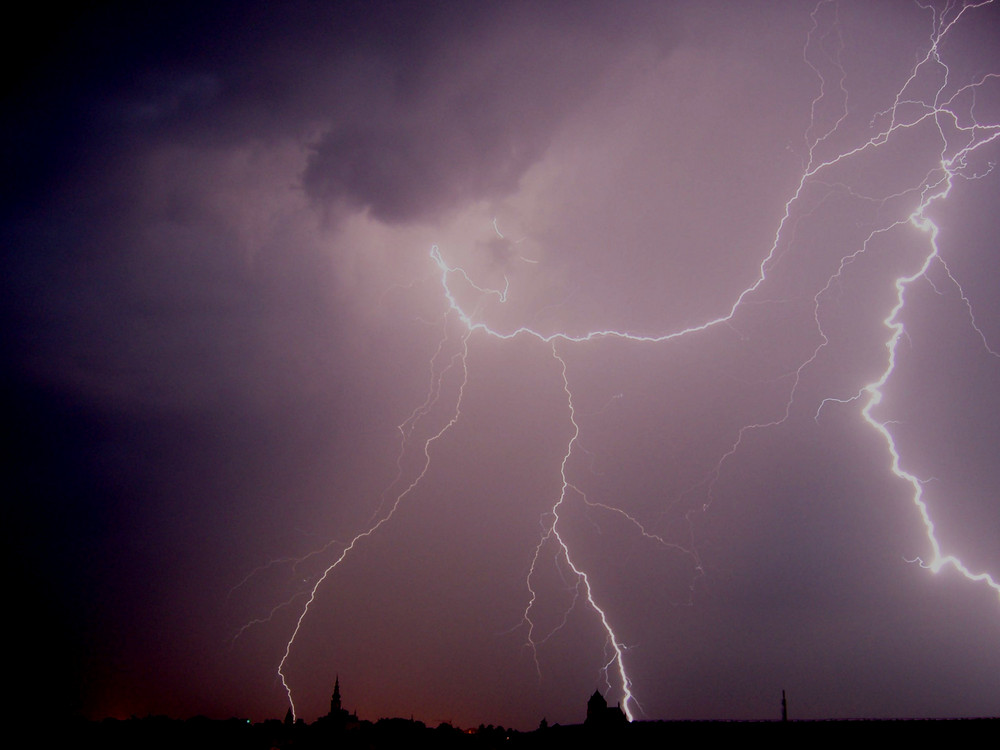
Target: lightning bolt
[(617, 661), (960, 135), (936, 188)]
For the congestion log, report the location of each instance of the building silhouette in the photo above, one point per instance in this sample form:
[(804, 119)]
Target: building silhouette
[(339, 718), (602, 716), (335, 707)]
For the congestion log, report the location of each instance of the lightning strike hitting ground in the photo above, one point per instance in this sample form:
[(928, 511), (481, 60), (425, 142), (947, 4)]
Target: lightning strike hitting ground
[(949, 109)]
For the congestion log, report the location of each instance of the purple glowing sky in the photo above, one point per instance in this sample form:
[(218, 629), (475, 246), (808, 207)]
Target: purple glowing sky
[(222, 305)]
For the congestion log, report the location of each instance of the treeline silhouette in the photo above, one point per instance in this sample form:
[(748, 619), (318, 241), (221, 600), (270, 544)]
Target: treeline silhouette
[(155, 732)]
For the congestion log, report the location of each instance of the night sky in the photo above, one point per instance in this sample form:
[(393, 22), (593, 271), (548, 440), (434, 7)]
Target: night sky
[(559, 301)]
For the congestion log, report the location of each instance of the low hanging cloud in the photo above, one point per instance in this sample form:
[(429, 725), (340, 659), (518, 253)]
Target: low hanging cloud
[(466, 109)]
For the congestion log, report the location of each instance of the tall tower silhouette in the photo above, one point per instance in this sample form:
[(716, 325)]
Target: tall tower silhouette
[(335, 708)]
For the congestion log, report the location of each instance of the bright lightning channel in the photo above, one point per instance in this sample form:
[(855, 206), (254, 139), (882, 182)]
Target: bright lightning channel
[(904, 114)]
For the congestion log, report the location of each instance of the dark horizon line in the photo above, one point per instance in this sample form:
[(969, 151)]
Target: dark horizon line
[(319, 719)]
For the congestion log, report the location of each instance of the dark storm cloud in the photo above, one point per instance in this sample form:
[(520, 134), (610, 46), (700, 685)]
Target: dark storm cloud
[(468, 106), (402, 173), (132, 138), (431, 102)]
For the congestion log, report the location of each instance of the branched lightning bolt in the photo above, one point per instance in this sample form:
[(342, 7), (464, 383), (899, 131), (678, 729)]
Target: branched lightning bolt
[(617, 661), (822, 54), (871, 395), (460, 360), (936, 187)]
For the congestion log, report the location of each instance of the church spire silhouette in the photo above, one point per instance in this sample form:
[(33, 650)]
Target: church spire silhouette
[(335, 707)]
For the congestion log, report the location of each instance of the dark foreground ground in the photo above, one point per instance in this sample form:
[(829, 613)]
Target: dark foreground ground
[(161, 732)]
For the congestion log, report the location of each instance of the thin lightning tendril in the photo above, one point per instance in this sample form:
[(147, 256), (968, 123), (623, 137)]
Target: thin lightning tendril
[(907, 112), (456, 413)]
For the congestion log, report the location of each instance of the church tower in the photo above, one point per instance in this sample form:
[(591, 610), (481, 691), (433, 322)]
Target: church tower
[(596, 708), (335, 708)]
